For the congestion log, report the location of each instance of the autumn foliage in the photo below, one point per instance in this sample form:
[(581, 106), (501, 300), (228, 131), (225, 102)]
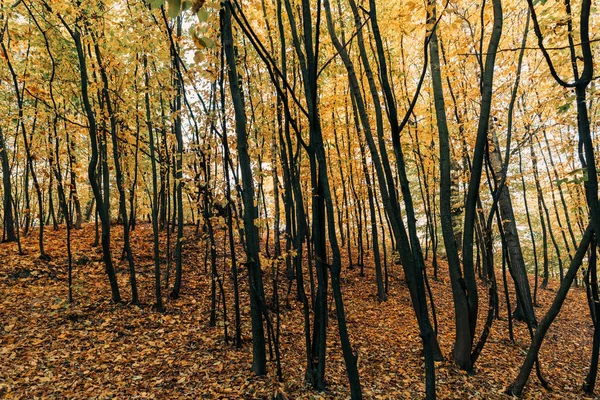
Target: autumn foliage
[(298, 199)]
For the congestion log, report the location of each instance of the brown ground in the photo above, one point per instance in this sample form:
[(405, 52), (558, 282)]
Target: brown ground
[(96, 349)]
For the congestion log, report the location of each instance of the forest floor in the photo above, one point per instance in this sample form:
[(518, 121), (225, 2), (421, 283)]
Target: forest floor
[(97, 349)]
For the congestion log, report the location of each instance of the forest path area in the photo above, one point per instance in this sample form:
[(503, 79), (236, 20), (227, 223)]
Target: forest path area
[(97, 349)]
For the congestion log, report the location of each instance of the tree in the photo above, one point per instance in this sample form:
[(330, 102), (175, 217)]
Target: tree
[(257, 301)]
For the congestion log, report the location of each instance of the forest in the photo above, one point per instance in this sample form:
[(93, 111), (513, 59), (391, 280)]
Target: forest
[(281, 199)]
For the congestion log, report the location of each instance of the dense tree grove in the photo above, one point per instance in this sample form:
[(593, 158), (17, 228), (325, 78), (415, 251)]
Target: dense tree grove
[(305, 138)]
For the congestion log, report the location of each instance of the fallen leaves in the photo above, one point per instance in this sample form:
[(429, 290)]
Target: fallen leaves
[(94, 348)]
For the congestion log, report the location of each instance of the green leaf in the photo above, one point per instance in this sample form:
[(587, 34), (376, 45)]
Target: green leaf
[(203, 15), (564, 108), (174, 8), (207, 42), (561, 181), (186, 5), (155, 3), (198, 57)]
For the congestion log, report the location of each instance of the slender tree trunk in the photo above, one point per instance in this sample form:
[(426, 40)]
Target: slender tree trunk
[(118, 173), (178, 172), (509, 226), (590, 379), (9, 221), (155, 222), (28, 153), (408, 245), (518, 384), (531, 234), (73, 183), (477, 163), (251, 232), (463, 340), (101, 207)]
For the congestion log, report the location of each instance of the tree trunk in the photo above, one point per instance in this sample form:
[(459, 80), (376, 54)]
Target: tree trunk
[(101, 206), (517, 263), (463, 340), (9, 221), (155, 227), (518, 384), (251, 232)]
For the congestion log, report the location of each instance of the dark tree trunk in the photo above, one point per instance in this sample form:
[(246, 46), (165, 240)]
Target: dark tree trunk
[(588, 162), (178, 159), (250, 230), (101, 207), (518, 384), (463, 340), (73, 184), (9, 221), (509, 226), (118, 173), (477, 164), (155, 227), (26, 142), (408, 245)]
